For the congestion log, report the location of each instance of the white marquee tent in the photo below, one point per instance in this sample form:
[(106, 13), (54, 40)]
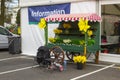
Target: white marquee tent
[(33, 37)]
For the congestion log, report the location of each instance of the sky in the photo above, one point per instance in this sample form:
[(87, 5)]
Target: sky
[(15, 1), (14, 4)]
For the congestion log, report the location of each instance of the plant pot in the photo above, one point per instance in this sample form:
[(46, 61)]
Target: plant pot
[(79, 66)]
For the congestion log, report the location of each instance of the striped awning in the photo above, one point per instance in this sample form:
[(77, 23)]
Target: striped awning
[(72, 17)]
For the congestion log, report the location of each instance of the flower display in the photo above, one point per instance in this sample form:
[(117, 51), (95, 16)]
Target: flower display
[(57, 31), (55, 40), (66, 26), (67, 41), (82, 42), (42, 23), (52, 40), (79, 59), (90, 33), (84, 28), (83, 25)]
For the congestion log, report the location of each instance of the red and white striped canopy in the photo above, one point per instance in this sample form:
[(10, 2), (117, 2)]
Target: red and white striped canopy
[(72, 17)]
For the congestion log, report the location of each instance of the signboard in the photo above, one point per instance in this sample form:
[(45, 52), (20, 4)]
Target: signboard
[(37, 12)]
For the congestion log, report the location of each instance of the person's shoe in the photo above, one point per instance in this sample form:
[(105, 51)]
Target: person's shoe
[(61, 68)]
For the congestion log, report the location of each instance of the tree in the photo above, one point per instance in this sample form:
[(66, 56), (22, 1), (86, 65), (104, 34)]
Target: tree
[(18, 18), (2, 16)]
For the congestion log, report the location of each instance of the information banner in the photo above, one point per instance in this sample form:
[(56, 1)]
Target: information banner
[(37, 12)]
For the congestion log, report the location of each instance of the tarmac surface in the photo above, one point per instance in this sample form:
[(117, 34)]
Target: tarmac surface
[(21, 67)]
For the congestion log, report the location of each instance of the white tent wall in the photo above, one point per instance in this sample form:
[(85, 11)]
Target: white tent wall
[(33, 37), (26, 3), (84, 7)]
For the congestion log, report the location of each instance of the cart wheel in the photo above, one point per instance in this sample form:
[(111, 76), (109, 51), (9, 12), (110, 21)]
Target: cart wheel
[(69, 55), (57, 54)]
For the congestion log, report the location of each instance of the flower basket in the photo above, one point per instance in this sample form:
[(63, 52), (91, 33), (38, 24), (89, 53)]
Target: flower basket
[(80, 66), (80, 61)]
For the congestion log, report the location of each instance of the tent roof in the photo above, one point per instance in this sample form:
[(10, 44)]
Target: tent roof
[(72, 17)]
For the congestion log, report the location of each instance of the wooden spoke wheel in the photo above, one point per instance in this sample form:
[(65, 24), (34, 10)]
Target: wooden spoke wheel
[(69, 55), (57, 54)]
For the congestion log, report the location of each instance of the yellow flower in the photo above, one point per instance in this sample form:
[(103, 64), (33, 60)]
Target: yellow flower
[(82, 42), (90, 33), (42, 23), (79, 59), (66, 25), (75, 59), (83, 25), (83, 59), (52, 40), (66, 41), (57, 31)]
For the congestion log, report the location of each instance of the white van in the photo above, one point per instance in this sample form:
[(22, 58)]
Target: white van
[(4, 34)]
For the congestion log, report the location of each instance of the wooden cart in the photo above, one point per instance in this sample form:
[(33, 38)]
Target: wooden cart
[(72, 33)]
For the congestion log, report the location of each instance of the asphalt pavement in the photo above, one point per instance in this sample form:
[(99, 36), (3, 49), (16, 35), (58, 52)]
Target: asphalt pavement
[(22, 67)]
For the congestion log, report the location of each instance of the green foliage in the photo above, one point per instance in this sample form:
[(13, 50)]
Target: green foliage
[(59, 40), (18, 18), (75, 42), (91, 42), (13, 29)]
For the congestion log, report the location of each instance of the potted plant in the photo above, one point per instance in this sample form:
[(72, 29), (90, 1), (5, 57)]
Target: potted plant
[(79, 60)]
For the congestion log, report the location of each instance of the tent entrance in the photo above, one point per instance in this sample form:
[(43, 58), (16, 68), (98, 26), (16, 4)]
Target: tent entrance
[(110, 41)]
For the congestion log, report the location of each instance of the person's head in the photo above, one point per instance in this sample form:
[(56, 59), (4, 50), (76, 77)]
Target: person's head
[(119, 20), (116, 24)]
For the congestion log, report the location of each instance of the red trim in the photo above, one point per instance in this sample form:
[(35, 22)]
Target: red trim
[(73, 17)]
